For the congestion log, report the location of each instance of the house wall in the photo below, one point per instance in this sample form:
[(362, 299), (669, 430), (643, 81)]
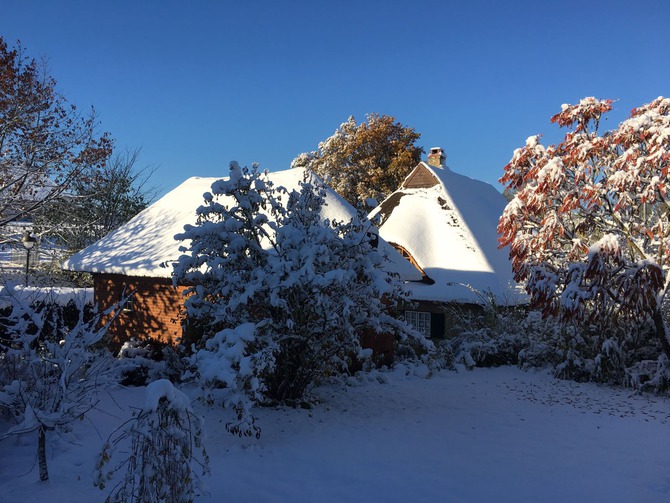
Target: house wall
[(154, 312)]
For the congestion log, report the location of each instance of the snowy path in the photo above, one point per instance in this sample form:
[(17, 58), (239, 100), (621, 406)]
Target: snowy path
[(488, 435)]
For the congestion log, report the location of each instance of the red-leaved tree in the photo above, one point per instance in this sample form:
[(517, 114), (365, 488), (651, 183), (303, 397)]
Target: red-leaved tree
[(45, 143), (589, 226)]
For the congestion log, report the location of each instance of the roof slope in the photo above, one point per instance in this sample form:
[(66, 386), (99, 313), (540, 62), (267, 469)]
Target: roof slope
[(450, 229), (145, 246)]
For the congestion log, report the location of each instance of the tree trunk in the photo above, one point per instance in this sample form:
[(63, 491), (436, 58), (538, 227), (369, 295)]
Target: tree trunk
[(42, 454), (661, 331)]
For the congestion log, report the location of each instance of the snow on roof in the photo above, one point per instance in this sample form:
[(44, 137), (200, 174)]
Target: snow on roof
[(145, 246), (450, 229)]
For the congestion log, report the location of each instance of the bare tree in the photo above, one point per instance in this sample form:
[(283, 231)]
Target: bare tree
[(98, 202)]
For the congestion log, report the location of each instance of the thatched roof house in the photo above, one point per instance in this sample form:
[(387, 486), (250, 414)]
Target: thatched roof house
[(446, 225)]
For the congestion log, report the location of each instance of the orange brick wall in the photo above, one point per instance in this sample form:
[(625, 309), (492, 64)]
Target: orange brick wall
[(155, 312)]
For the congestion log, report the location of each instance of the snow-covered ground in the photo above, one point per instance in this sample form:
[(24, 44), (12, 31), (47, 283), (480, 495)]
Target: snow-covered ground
[(486, 435)]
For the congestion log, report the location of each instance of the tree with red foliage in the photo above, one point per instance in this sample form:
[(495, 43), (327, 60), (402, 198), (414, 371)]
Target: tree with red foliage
[(589, 227), (45, 143)]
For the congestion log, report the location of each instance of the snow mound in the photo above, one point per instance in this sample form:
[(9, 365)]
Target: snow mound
[(164, 389)]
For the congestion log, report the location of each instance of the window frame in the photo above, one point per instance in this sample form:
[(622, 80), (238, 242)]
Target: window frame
[(420, 320)]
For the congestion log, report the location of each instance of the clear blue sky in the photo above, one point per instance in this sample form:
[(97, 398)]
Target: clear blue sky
[(197, 84)]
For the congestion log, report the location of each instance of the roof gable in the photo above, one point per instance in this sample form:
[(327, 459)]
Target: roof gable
[(421, 177)]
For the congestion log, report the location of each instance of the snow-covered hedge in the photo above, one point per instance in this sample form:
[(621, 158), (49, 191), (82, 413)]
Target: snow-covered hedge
[(60, 296), (615, 353)]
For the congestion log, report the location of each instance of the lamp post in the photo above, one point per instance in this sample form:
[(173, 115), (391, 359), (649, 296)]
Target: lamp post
[(28, 241)]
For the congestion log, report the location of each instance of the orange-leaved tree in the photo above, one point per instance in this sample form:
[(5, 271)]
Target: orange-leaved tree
[(366, 160), (589, 226)]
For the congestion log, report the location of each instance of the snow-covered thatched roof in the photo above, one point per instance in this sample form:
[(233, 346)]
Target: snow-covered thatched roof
[(146, 246), (448, 223)]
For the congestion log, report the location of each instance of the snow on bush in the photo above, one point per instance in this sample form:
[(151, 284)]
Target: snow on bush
[(60, 296), (149, 360), (280, 294), (650, 375), (50, 373), (606, 352), (487, 334), (166, 451)]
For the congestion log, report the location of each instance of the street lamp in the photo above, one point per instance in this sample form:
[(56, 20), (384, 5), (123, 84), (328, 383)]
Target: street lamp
[(28, 241)]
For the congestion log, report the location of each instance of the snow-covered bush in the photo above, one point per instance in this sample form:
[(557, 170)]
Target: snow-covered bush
[(166, 451), (280, 294), (436, 358), (50, 371), (147, 361), (605, 352), (487, 334), (650, 375)]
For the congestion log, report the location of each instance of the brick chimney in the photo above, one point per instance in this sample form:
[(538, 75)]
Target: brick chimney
[(437, 157)]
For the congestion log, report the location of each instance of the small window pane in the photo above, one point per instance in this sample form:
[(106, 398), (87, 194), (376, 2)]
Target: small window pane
[(419, 320)]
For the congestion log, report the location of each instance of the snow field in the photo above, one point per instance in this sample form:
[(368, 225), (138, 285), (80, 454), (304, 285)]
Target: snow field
[(499, 435)]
